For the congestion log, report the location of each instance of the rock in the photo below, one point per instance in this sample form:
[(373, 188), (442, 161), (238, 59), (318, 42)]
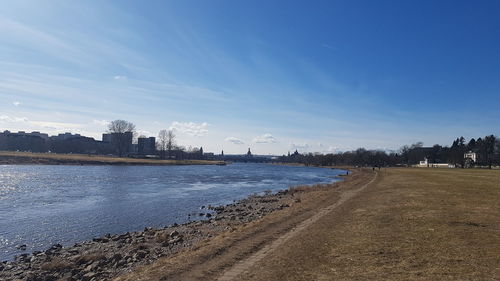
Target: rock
[(161, 236), (22, 258), (208, 215), (174, 233), (92, 267), (140, 254), (100, 240), (175, 240), (116, 257), (89, 275), (21, 247)]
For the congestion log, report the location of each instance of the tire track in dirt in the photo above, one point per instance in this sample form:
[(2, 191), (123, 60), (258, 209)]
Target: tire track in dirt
[(247, 263)]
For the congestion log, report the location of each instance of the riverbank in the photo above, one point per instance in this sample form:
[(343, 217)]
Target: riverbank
[(29, 158), (406, 224), (113, 255)]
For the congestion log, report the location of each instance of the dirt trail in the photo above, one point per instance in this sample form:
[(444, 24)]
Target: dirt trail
[(245, 264), (229, 254)]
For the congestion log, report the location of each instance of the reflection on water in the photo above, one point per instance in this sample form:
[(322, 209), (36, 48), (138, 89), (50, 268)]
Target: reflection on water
[(43, 205)]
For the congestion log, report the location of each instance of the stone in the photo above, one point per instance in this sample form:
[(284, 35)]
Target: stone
[(140, 255), (116, 257), (89, 275), (21, 247), (174, 233), (174, 240)]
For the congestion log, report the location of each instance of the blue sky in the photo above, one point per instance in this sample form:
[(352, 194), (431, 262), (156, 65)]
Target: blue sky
[(271, 75)]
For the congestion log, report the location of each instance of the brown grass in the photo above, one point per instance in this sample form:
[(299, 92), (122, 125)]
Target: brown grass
[(12, 157), (413, 224), (410, 224)]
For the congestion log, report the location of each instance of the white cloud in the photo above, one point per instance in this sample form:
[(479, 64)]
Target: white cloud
[(101, 122), (60, 126), (16, 103), (265, 138), (144, 133), (120, 77), (234, 140), (12, 119), (190, 128)]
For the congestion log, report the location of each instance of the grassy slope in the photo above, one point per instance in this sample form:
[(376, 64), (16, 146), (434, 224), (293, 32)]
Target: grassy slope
[(413, 224), (10, 157)]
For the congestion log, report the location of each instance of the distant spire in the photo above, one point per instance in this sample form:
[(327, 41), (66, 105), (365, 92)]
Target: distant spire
[(222, 153), (249, 153)]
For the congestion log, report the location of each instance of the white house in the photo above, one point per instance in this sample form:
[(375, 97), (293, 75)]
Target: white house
[(471, 155)]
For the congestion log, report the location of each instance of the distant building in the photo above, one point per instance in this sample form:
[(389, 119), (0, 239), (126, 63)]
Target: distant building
[(426, 164), (146, 146), (22, 141), (249, 153), (208, 156), (73, 143), (471, 155), (66, 136), (121, 142), (38, 134)]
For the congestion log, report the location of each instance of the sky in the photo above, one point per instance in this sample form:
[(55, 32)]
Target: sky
[(273, 76)]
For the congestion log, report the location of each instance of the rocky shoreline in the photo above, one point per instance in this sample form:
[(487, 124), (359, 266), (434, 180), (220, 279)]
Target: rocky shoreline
[(112, 255)]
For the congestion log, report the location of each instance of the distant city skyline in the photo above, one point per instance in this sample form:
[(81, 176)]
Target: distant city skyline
[(317, 76)]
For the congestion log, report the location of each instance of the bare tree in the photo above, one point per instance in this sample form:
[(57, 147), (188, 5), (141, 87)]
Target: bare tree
[(166, 142), (122, 133)]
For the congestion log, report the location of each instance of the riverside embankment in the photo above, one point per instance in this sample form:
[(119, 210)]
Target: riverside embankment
[(113, 255), (29, 158)]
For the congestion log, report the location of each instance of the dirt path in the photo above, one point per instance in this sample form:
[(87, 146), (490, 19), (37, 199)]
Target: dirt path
[(220, 256), (245, 264)]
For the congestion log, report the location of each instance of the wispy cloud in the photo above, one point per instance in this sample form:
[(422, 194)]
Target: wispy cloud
[(55, 126), (120, 77), (234, 140), (16, 103), (101, 122), (265, 138), (12, 119), (190, 128)]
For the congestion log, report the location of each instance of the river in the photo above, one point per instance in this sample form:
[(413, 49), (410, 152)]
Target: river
[(43, 205)]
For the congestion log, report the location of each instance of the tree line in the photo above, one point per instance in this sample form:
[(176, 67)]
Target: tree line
[(487, 150)]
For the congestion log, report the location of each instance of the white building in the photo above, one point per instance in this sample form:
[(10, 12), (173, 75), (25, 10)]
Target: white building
[(471, 155)]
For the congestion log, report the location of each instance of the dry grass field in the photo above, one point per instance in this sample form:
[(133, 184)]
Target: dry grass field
[(412, 224), (409, 224), (11, 157)]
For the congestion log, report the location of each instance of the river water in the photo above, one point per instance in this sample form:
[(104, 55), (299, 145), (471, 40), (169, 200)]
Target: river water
[(44, 205)]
